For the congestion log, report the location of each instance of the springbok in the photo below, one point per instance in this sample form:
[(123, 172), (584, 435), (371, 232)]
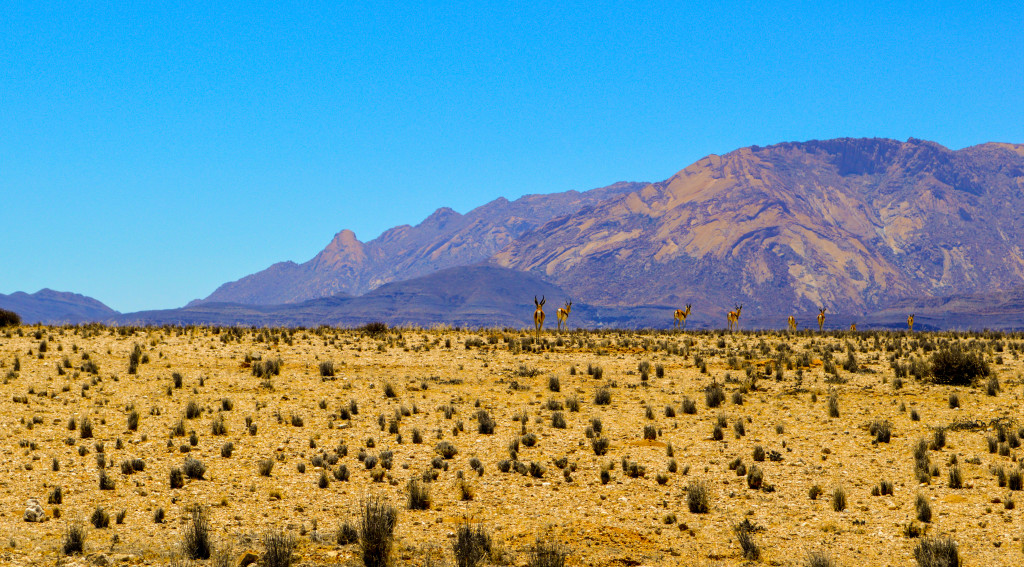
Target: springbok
[(734, 317), (853, 327), (538, 314), (910, 322), (562, 314), (821, 319), (681, 315), (792, 324)]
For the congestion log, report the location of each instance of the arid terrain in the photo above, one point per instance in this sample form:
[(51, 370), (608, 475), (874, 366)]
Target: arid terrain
[(431, 385)]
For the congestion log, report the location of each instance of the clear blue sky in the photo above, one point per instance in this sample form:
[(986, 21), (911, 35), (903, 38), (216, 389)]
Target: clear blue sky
[(150, 153)]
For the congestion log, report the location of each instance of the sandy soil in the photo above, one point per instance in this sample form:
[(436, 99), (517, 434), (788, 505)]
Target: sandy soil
[(628, 521)]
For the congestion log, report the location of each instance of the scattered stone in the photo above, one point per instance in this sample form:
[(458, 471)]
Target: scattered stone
[(34, 512)]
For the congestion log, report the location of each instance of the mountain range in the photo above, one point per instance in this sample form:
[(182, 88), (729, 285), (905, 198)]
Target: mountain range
[(850, 224), (869, 228), (445, 239)]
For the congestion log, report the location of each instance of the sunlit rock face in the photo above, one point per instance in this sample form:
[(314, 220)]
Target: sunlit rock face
[(852, 224)]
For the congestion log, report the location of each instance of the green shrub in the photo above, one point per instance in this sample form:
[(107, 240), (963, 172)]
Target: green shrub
[(558, 420), (100, 518), (954, 366), (374, 329), (924, 508), (839, 499), (9, 318), (485, 423), (744, 534), (446, 449), (419, 495), (713, 396), (177, 478), (347, 533), (74, 539), (193, 468), (697, 497)]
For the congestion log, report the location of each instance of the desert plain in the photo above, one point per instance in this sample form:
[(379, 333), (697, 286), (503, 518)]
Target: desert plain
[(795, 408)]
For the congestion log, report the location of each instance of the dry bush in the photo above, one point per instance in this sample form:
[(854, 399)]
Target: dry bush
[(937, 552), (377, 532), (196, 543), (278, 548), (471, 546)]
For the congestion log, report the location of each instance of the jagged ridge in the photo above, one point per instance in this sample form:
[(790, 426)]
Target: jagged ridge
[(443, 240)]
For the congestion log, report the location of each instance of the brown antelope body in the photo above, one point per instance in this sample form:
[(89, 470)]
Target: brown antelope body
[(853, 326), (910, 322), (538, 314), (681, 315), (734, 317), (562, 314), (821, 319), (792, 323)]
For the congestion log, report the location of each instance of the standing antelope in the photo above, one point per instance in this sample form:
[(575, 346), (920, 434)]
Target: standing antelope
[(821, 319), (910, 322), (853, 327), (734, 317), (562, 314), (681, 315), (792, 324), (538, 314)]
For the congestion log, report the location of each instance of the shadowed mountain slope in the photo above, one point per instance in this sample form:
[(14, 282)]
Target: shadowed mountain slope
[(471, 296)]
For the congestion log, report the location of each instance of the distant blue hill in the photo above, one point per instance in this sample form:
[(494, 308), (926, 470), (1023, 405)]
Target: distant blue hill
[(56, 307)]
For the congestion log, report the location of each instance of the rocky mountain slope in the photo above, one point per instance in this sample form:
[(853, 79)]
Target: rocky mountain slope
[(851, 224), (444, 240)]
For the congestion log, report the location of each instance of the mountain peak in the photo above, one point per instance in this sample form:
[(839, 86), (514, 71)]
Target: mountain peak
[(344, 248), (440, 218), (343, 240)]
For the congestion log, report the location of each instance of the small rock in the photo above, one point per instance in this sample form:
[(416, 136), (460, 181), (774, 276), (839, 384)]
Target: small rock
[(248, 559), (33, 511)]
